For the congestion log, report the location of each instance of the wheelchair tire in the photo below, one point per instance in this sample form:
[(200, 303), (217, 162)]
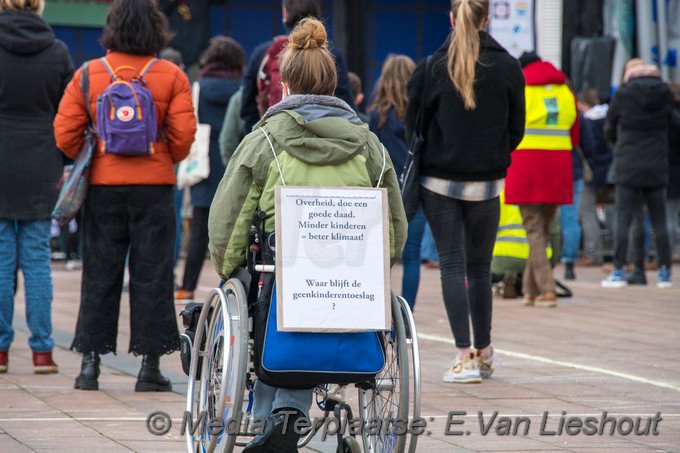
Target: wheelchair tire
[(221, 388), (414, 359), (388, 399)]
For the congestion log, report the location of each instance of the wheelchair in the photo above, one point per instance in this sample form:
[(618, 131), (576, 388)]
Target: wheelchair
[(218, 358)]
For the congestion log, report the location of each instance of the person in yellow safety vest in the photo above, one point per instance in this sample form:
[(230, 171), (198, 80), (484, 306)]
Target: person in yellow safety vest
[(511, 250), (540, 176)]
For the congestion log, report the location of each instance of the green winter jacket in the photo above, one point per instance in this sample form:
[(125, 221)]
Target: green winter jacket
[(319, 141)]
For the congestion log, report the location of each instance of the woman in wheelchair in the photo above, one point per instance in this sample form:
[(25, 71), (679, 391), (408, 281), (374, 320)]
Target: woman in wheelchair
[(310, 138)]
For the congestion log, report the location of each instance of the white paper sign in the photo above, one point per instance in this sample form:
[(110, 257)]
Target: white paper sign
[(332, 259), (511, 23)]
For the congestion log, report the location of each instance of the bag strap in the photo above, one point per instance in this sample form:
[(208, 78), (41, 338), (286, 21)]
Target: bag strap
[(420, 118), (85, 88), (271, 145), (195, 96)]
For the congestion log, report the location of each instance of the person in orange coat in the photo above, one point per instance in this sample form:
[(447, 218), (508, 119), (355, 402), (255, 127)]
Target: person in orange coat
[(540, 176), (129, 203)]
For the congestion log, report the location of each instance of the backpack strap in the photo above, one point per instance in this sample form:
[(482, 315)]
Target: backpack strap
[(147, 66), (112, 72), (108, 67)]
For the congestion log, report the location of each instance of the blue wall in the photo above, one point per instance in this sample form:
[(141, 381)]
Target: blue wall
[(412, 27)]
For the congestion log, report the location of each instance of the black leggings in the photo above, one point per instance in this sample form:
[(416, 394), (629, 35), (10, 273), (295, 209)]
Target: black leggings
[(465, 233), (629, 202), (196, 249)]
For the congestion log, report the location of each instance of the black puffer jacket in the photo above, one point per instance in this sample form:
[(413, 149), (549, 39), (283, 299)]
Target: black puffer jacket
[(469, 145), (638, 124), (34, 70)]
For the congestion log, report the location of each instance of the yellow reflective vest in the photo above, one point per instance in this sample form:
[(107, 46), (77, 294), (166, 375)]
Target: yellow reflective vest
[(551, 113)]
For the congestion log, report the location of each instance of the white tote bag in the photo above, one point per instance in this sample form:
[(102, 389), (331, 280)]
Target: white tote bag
[(196, 166)]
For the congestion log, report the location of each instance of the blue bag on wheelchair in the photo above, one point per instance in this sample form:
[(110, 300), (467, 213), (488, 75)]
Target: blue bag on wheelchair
[(300, 360)]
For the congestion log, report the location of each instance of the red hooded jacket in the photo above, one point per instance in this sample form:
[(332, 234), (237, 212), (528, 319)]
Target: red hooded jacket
[(541, 169)]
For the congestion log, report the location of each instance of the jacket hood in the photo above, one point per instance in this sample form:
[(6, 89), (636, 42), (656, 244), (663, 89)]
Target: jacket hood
[(321, 130), (218, 90), (24, 32), (543, 73), (652, 93)]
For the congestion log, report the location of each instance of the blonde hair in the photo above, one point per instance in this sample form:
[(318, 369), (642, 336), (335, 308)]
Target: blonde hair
[(464, 46), (391, 92), (37, 6), (306, 65)]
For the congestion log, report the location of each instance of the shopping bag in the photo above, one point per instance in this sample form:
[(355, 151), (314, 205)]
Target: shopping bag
[(75, 181), (196, 166)]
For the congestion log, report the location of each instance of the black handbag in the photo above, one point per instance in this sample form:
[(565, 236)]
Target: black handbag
[(410, 176)]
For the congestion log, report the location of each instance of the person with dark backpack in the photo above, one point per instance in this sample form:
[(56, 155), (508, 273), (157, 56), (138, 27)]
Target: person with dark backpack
[(129, 202), (261, 82)]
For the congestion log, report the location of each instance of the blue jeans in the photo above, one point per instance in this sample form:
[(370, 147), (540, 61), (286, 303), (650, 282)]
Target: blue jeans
[(26, 243), (268, 399), (411, 258), (571, 229), (428, 250)]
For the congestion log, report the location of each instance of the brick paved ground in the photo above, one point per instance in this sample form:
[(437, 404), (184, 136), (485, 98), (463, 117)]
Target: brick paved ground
[(615, 351)]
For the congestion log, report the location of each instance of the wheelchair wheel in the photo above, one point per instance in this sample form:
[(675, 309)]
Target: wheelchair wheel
[(223, 369), (388, 398), (414, 359)]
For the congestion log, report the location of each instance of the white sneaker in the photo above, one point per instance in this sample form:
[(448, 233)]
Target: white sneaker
[(465, 371), (615, 280), (73, 265), (485, 365)]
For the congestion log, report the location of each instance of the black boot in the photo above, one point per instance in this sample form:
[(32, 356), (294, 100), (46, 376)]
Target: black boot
[(637, 277), (89, 372), (569, 272), (150, 378)]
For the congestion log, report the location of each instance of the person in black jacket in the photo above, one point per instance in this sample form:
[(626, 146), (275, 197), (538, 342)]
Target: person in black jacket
[(34, 70), (673, 201), (293, 11), (638, 124), (474, 119)]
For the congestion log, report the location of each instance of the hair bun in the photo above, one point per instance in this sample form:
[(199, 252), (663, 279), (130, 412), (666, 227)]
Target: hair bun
[(308, 34)]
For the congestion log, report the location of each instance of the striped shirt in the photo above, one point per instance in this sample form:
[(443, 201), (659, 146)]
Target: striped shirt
[(464, 190)]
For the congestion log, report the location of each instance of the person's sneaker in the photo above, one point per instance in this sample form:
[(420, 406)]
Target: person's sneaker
[(4, 361), (528, 300), (465, 371), (43, 363), (73, 265), (615, 280), (485, 365), (183, 294), (278, 435), (664, 280), (546, 300), (637, 277), (569, 271)]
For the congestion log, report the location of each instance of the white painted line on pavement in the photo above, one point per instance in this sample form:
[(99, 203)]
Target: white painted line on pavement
[(519, 355)]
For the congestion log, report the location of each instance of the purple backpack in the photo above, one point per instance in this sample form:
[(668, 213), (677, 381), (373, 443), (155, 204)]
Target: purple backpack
[(126, 114)]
